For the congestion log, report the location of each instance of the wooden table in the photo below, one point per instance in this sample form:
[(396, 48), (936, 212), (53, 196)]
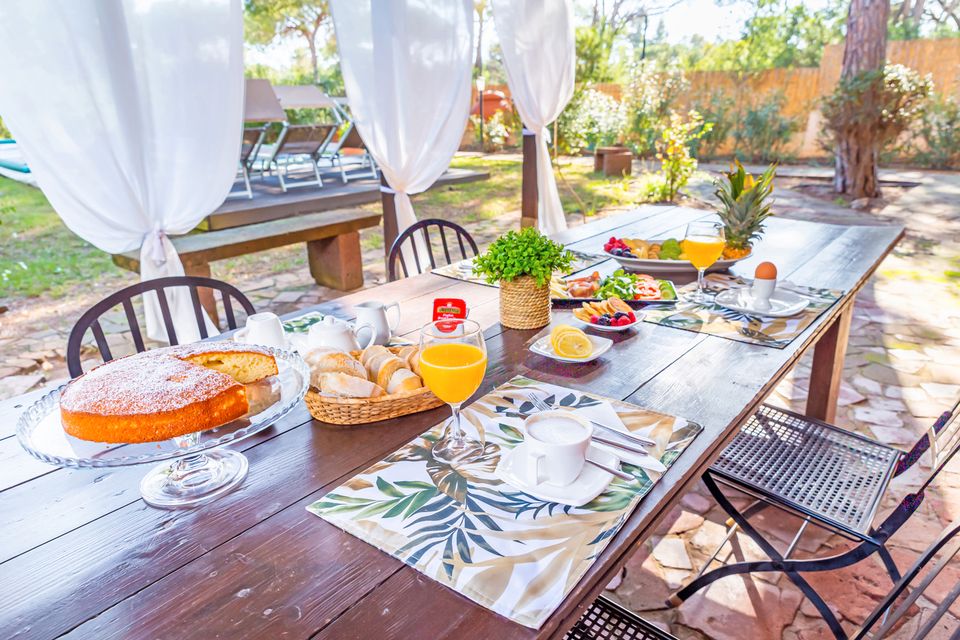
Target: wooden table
[(81, 556)]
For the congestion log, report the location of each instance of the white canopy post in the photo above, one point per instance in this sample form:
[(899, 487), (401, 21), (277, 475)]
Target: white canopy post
[(540, 60), (129, 114), (406, 69)]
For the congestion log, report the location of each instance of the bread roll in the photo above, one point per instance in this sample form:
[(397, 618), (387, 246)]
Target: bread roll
[(404, 381), (405, 353), (413, 361), (374, 363), (388, 366), (335, 362), (371, 352), (347, 386)]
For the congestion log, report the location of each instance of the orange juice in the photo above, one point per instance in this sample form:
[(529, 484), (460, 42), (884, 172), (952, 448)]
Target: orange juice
[(452, 371), (702, 251)]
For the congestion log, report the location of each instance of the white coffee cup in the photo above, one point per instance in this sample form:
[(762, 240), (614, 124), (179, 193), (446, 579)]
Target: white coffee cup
[(374, 313), (554, 448), (264, 329)]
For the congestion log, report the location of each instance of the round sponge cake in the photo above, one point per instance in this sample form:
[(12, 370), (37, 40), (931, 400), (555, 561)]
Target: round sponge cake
[(163, 393)]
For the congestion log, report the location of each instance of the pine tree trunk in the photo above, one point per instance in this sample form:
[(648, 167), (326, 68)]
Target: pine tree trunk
[(866, 50)]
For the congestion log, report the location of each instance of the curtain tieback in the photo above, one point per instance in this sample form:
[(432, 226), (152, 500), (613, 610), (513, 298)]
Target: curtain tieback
[(157, 252), (386, 189)]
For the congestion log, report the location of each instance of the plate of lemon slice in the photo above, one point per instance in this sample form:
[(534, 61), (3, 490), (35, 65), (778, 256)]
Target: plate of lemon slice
[(569, 344)]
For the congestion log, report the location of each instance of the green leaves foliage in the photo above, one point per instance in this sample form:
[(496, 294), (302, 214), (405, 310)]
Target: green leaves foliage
[(522, 253)]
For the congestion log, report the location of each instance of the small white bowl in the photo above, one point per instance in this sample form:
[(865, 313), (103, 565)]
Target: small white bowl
[(543, 348), (600, 327)]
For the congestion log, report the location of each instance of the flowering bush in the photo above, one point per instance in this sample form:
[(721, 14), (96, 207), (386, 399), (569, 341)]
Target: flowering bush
[(496, 130), (673, 151), (592, 119)]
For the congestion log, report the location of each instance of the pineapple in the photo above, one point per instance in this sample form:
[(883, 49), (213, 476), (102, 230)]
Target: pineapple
[(744, 205)]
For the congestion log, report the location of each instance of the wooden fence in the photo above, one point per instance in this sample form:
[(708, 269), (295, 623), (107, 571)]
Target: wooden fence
[(804, 87)]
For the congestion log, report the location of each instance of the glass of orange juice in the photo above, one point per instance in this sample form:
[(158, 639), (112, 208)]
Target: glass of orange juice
[(453, 360), (702, 245)]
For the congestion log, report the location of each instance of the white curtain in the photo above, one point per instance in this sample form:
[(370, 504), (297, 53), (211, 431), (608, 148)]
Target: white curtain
[(539, 55), (129, 113), (406, 69)]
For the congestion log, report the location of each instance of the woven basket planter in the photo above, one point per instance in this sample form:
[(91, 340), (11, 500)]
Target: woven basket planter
[(524, 305)]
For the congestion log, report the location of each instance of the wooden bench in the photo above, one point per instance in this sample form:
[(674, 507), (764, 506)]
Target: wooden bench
[(332, 237)]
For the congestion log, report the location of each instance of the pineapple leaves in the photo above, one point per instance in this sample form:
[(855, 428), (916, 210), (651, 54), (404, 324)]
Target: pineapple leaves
[(744, 204)]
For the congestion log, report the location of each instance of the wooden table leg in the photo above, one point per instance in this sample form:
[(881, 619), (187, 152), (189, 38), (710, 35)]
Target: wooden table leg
[(207, 299), (828, 367), (335, 262)]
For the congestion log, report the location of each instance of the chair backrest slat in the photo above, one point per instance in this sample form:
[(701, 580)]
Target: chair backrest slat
[(198, 313), (90, 320), (405, 245), (101, 339), (167, 317), (228, 311), (134, 325)]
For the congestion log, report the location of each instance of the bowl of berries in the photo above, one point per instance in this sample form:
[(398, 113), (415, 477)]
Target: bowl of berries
[(612, 314)]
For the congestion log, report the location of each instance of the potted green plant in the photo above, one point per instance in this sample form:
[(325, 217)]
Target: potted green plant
[(522, 262)]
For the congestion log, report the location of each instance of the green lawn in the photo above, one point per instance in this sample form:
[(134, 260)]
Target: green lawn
[(40, 256)]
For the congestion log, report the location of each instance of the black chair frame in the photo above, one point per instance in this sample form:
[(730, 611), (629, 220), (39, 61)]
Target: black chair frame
[(91, 317), (423, 227), (873, 542)]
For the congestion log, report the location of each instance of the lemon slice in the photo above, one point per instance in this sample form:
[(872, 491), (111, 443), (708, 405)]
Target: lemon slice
[(573, 344), (558, 331)]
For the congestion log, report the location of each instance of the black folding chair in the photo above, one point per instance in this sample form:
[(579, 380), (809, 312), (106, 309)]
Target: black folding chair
[(604, 619), (91, 317), (422, 230), (829, 477)]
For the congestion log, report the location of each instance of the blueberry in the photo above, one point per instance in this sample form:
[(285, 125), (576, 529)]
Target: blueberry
[(604, 320), (628, 254), (619, 314), (617, 252)]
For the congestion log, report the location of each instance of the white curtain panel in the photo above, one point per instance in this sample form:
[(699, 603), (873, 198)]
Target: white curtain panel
[(406, 68), (129, 113), (540, 59)]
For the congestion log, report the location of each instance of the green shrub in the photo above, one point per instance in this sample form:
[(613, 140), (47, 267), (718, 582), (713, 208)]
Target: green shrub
[(939, 134), (592, 119), (650, 97), (522, 253), (719, 110), (496, 130), (763, 132)]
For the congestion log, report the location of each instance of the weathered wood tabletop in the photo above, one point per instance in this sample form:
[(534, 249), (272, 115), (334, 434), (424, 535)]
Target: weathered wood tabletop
[(81, 556)]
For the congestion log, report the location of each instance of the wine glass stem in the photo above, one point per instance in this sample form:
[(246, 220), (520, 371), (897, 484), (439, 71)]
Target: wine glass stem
[(700, 283), (456, 432)]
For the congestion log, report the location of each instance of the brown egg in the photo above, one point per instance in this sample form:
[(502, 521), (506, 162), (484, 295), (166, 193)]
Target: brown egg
[(766, 271)]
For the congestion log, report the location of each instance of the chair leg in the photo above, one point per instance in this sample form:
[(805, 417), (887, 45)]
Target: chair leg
[(246, 181), (776, 563), (889, 564), (280, 172), (316, 172)]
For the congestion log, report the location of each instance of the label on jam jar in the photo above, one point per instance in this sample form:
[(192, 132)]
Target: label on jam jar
[(452, 309)]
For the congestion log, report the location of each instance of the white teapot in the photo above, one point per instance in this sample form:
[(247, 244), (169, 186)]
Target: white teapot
[(336, 334)]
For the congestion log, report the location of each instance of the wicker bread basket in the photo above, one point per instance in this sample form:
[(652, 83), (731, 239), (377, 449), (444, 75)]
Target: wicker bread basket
[(524, 305), (355, 411)]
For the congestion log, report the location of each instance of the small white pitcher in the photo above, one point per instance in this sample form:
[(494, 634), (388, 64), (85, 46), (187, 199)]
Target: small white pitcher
[(374, 314)]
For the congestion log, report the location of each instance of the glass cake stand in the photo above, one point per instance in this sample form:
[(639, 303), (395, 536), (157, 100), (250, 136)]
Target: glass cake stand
[(200, 472)]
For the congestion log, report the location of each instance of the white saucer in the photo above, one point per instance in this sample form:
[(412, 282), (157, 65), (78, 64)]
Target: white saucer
[(544, 348), (783, 303), (591, 482)]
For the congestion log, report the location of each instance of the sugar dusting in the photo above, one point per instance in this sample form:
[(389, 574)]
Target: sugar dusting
[(149, 382)]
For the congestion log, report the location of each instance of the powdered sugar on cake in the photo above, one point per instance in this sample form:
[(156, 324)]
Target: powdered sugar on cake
[(149, 382)]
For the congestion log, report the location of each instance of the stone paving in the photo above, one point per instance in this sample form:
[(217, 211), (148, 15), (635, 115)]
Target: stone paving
[(901, 370)]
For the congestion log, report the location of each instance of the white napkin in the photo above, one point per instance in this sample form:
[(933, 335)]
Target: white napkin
[(605, 414)]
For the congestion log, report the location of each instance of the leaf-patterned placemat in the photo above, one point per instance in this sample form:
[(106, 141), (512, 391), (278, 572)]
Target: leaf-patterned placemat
[(462, 526), (719, 321), (463, 270)]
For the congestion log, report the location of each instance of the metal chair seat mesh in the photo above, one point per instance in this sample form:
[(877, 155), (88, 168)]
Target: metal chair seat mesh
[(605, 620), (820, 470)]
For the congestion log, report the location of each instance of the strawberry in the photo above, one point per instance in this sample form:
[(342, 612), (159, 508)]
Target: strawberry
[(594, 319), (623, 321), (632, 316)]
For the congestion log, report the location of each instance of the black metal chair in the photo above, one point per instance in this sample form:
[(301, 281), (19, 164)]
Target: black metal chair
[(829, 477), (604, 619), (897, 603), (91, 317), (422, 229)]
